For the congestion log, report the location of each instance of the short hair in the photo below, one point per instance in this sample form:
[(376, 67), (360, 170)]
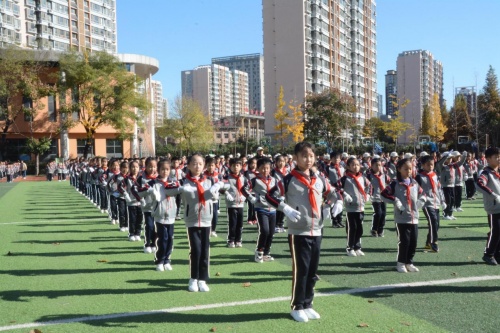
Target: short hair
[(375, 160), (301, 146), (233, 161), (190, 158), (491, 151), (209, 160), (351, 159), (263, 161), (425, 159), (150, 160), (123, 164), (162, 163)]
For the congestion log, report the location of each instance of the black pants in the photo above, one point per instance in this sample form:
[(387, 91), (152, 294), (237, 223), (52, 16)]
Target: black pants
[(122, 213), (280, 219), (305, 251), (432, 216), (407, 235), (199, 252), (458, 197), (449, 194), (178, 203), (337, 220), (113, 202), (378, 219), (49, 177), (60, 176), (354, 228), (134, 220), (493, 241), (215, 217), (470, 188), (149, 230), (267, 224), (103, 196), (235, 227), (164, 242), (251, 212)]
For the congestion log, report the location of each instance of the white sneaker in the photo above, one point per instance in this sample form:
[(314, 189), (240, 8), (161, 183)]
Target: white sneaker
[(351, 253), (160, 268), (401, 268), (102, 211), (239, 244), (311, 314), (268, 258), (131, 238), (193, 285), (213, 234), (168, 267), (454, 209), (124, 229), (459, 209), (137, 238), (147, 249), (202, 286), (453, 217), (359, 253), (447, 218), (411, 268), (259, 257), (299, 315)]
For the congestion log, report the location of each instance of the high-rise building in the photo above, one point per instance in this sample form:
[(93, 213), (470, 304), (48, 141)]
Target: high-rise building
[(391, 84), (380, 105), (419, 77), (312, 45), (61, 25), (253, 65), (470, 96), (221, 92), (158, 102)]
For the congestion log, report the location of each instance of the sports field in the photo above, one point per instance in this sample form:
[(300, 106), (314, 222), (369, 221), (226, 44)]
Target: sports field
[(64, 268)]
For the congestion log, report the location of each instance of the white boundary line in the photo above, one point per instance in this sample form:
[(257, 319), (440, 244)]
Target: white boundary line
[(249, 302), (57, 221)]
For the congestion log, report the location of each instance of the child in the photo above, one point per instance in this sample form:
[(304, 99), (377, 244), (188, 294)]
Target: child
[(214, 176), (488, 184), (379, 182), (113, 193), (447, 177), (390, 166), (134, 210), (278, 173), (335, 173), (470, 176), (177, 174), (429, 182), (459, 178), (101, 181), (198, 194), (303, 191), (250, 174), (117, 191), (355, 188), (407, 197), (266, 214), (147, 180), (235, 201)]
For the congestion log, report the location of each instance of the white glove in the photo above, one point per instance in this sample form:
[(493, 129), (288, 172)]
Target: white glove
[(252, 199), (229, 197), (150, 190), (215, 188), (292, 214), (399, 205), (157, 195), (127, 197), (104, 183), (337, 208), (347, 198), (143, 203), (187, 188), (443, 205), (466, 177), (420, 204), (326, 213), (497, 197)]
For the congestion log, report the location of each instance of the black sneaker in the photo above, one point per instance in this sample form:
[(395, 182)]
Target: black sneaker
[(489, 260), (434, 247), (374, 233)]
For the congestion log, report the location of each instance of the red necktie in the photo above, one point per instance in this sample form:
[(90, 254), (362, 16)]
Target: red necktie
[(312, 198), (358, 184), (379, 182), (199, 187)]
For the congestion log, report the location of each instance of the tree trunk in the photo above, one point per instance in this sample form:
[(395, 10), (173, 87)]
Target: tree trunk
[(37, 164)]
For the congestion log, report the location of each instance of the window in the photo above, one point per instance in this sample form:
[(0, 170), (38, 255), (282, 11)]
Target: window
[(28, 108), (114, 148), (218, 135), (80, 147), (51, 104), (226, 135)]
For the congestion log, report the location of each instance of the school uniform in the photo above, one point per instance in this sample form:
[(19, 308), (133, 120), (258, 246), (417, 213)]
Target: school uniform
[(447, 179), (266, 214), (280, 217), (251, 216), (215, 177), (235, 184), (429, 182), (391, 170), (304, 193), (101, 175), (470, 169), (335, 173), (378, 183), (488, 183), (116, 184), (459, 179), (177, 174), (144, 182), (135, 216)]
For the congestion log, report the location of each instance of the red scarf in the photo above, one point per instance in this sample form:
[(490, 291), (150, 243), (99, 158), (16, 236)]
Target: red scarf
[(265, 181), (310, 187), (356, 181), (336, 166), (431, 175), (379, 181), (238, 182), (199, 187)]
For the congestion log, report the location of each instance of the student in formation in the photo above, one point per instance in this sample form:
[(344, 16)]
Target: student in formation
[(101, 177), (135, 216), (470, 176), (278, 173), (177, 174), (335, 172), (303, 192), (214, 176), (447, 177), (113, 171), (429, 182), (488, 184), (390, 166), (198, 195), (250, 174), (355, 189), (379, 182), (407, 197), (116, 184), (458, 161)]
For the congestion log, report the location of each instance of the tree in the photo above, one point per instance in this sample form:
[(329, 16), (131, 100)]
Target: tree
[(459, 123), (189, 126), (38, 147), (295, 126), (374, 128), (328, 115), (437, 128), (488, 105), (426, 121), (103, 93), (281, 117), (395, 127)]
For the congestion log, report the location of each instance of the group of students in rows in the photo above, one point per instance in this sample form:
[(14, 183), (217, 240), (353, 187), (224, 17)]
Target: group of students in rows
[(57, 169), (11, 171), (307, 191)]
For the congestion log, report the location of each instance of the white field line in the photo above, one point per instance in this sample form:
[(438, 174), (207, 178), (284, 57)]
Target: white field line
[(57, 221), (249, 302)]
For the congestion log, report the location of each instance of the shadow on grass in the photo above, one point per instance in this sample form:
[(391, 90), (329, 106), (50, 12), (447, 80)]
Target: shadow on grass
[(48, 272)]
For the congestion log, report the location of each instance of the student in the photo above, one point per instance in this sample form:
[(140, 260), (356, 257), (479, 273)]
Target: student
[(335, 172), (235, 201), (278, 173), (101, 183), (429, 182), (407, 197), (146, 179), (390, 166), (116, 184), (459, 178), (198, 195), (365, 163), (470, 176), (379, 182), (214, 176), (250, 174), (177, 174), (134, 210), (112, 190), (303, 190), (266, 214), (488, 184), (447, 177), (355, 189)]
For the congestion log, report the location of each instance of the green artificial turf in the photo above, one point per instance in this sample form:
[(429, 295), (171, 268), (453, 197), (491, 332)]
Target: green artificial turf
[(61, 259)]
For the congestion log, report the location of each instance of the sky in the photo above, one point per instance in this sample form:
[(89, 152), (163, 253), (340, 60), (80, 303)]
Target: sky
[(184, 34)]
